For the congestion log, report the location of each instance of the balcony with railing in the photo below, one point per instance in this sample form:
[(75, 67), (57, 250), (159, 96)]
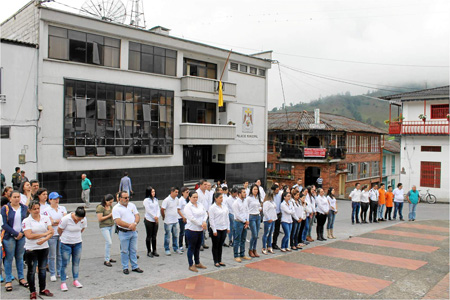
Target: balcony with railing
[(211, 134), (434, 127), (207, 88), (294, 153)]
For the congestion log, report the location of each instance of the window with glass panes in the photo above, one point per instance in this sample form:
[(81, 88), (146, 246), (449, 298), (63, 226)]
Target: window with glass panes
[(83, 47), (199, 68), (114, 120), (152, 59)]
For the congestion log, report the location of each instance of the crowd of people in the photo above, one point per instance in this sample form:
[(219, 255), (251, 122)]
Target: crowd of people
[(43, 234)]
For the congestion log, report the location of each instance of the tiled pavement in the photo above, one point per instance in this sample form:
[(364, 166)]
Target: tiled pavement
[(405, 261)]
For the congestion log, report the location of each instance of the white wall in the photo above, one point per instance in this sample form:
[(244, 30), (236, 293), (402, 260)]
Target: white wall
[(411, 157), (412, 109), (18, 65)]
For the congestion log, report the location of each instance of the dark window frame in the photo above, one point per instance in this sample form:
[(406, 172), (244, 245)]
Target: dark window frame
[(5, 132), (154, 53), (430, 148), (199, 64)]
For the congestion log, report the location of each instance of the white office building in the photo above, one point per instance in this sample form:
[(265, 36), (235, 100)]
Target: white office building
[(83, 95), (421, 119)]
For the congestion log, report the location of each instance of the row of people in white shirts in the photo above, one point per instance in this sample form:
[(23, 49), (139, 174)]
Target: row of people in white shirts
[(365, 196)]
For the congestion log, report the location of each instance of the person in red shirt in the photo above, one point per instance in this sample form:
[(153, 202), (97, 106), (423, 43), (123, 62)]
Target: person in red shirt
[(389, 203), (381, 202)]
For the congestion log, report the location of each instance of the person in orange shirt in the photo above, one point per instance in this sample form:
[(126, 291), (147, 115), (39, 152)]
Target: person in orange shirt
[(381, 202), (389, 203)]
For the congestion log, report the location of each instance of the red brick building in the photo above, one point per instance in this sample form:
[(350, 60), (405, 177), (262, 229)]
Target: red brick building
[(307, 145)]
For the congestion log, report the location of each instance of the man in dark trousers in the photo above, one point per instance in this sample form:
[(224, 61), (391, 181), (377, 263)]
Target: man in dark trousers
[(277, 199)]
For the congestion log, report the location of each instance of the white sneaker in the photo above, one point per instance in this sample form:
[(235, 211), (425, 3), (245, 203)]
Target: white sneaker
[(53, 278), (180, 251)]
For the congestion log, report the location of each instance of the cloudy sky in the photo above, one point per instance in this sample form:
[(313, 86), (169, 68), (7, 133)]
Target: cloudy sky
[(383, 43)]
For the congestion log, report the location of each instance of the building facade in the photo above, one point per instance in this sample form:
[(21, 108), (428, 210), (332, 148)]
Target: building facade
[(111, 98), (391, 163), (305, 145), (422, 122)]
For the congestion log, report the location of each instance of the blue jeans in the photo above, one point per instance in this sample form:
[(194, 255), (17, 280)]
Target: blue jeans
[(311, 222), (255, 222), (68, 250), (240, 234), (171, 229), (128, 249), (287, 227), (231, 234), (331, 217), (194, 241), (294, 233), (412, 211), (267, 235), (182, 232), (54, 252), (355, 211), (399, 208), (107, 234), (305, 230), (380, 210), (13, 249)]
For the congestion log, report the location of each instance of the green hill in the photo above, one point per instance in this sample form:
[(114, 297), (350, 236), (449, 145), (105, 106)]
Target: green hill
[(358, 107)]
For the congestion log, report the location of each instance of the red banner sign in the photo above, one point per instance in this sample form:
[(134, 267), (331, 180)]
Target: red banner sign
[(315, 152)]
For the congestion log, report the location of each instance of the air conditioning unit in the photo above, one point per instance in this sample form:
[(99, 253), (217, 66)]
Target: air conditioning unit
[(2, 98)]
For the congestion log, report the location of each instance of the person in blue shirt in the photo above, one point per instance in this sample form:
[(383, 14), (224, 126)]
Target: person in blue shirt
[(413, 198), (125, 184)]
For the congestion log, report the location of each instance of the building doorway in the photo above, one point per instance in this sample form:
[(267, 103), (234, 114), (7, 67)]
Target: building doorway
[(311, 175), (313, 142), (342, 185), (196, 162)]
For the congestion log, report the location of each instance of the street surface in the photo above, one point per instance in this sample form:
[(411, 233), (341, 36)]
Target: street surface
[(388, 260)]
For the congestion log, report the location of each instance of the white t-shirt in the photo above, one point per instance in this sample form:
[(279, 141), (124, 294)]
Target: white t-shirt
[(125, 213), (18, 219), (170, 206), (364, 197), (23, 199), (204, 198), (43, 207), (71, 231), (55, 215), (181, 204), (398, 195), (151, 209), (355, 195), (195, 216), (36, 227)]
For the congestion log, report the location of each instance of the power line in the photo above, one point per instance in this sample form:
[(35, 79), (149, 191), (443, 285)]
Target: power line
[(282, 90)]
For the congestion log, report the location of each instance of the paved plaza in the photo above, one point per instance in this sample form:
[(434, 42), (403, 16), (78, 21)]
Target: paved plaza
[(388, 260)]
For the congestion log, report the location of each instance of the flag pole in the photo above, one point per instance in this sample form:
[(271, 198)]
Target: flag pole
[(220, 102), (226, 63)]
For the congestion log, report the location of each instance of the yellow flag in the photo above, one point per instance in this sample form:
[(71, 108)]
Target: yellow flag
[(220, 94)]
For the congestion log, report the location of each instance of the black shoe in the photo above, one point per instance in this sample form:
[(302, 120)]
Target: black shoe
[(155, 254), (275, 247), (137, 256), (126, 272), (107, 263), (112, 261), (226, 245), (230, 243), (353, 222), (205, 247), (150, 254), (375, 221), (137, 270), (358, 222)]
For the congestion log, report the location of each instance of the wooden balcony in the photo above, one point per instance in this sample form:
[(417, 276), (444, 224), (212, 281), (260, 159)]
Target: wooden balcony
[(440, 127)]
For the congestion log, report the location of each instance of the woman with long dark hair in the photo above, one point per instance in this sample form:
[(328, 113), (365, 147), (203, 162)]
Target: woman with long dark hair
[(196, 217), (152, 214), (219, 227), (308, 210), (6, 195), (106, 223), (254, 208), (270, 216), (297, 218), (42, 196), (38, 230), (25, 193), (332, 213), (13, 239), (287, 213), (321, 213)]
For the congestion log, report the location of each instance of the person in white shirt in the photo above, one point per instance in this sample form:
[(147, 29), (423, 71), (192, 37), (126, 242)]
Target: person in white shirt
[(373, 196), (355, 196), (270, 217), (261, 189), (169, 212), (298, 185), (219, 227), (399, 198), (229, 201), (224, 184), (304, 224), (70, 229), (321, 213), (126, 216), (241, 223), (55, 212), (287, 213), (226, 197), (204, 197), (37, 230), (332, 212), (196, 216), (182, 201), (25, 193), (42, 196), (364, 203), (246, 188), (254, 201), (297, 218), (277, 193), (151, 221), (311, 198)]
